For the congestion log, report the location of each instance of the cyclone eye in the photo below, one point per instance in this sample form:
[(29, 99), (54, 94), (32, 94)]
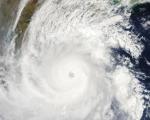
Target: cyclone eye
[(71, 74)]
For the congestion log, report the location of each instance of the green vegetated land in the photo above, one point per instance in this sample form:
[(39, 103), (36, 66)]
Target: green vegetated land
[(27, 14), (8, 9), (24, 20), (8, 13), (116, 1), (134, 1), (119, 1)]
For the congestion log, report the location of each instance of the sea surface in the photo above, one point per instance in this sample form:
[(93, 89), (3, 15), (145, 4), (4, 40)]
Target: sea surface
[(74, 60)]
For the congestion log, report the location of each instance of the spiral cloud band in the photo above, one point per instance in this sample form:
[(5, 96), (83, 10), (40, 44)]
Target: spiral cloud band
[(67, 70)]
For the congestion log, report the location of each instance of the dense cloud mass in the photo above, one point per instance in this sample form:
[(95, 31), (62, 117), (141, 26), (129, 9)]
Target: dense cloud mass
[(76, 63)]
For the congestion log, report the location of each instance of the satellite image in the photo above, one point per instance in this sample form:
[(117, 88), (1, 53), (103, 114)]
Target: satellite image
[(74, 60)]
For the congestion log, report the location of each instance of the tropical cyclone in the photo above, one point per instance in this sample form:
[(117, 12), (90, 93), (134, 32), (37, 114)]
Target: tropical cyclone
[(67, 71), (58, 63)]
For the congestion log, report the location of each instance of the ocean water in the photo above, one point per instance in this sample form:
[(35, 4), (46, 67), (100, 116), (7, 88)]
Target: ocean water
[(78, 60)]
